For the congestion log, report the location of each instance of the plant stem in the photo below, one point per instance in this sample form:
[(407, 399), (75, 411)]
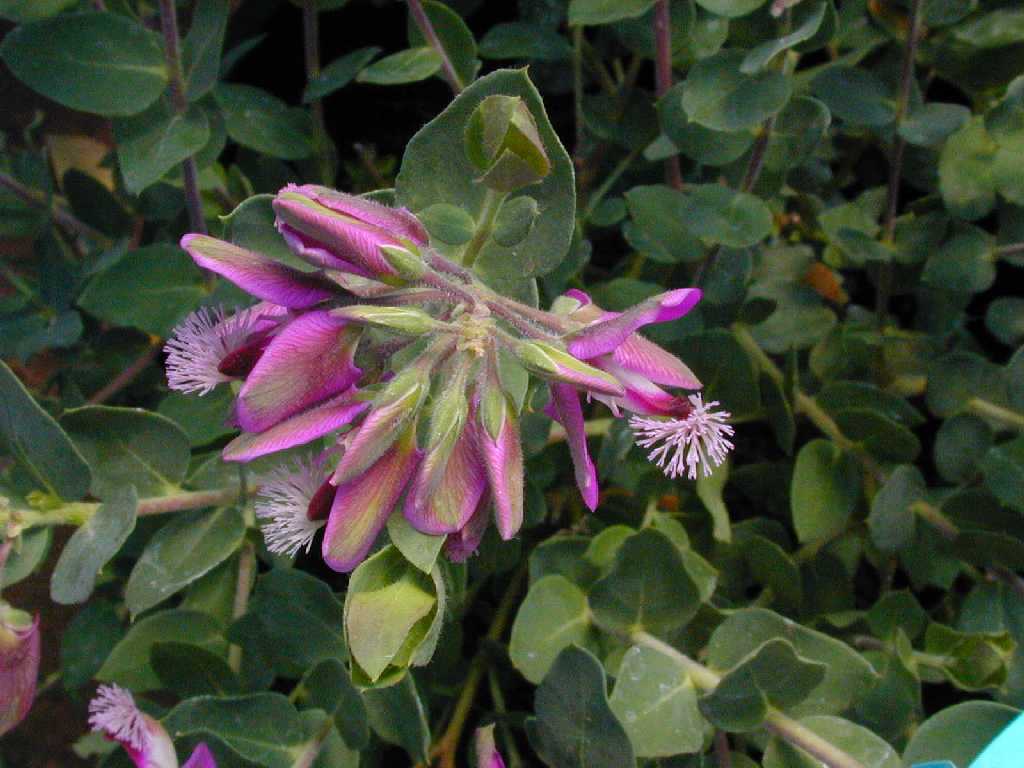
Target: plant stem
[(484, 227), (419, 16), (663, 78), (577, 93), (246, 569), (609, 181), (776, 722), (446, 747), (591, 428), (1009, 250), (935, 517), (896, 162), (179, 100), (1005, 416), (756, 164), (806, 404), (311, 51), (128, 375), (64, 219)]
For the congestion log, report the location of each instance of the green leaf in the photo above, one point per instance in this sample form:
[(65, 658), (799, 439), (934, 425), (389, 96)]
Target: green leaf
[(773, 567), (1003, 467), (855, 740), (94, 62), (202, 46), (593, 12), (180, 552), (965, 171), (398, 716), (202, 418), (1001, 27), (648, 587), (328, 687), (958, 733), (695, 140), (448, 223), (420, 549), (128, 446), (92, 546), (293, 621), (965, 262), (21, 11), (575, 727), (798, 130), (260, 121), (855, 95), (409, 66), (435, 168), (972, 661), (553, 616), (35, 440), (251, 226), (825, 489), (839, 396), (709, 491), (848, 676), (957, 377), (656, 702), (87, 641), (1005, 320), (261, 727), (389, 607), (931, 123), (338, 73), (658, 215), (721, 97), (155, 141), (152, 289), (191, 671), (773, 675), (730, 9), (807, 18), (892, 520), (718, 214), (30, 549), (960, 444), (521, 40), (129, 663), (455, 37)]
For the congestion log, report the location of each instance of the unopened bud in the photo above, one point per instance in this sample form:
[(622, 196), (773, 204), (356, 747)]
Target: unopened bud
[(550, 362), (407, 265), (19, 665), (502, 141), (409, 320)]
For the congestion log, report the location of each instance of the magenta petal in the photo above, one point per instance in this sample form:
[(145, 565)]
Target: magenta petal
[(256, 274), (344, 238), (397, 220), (642, 356), (297, 430), (19, 669), (201, 757), (570, 415), (317, 255), (309, 361), (460, 545), (583, 298), (452, 503), (503, 460), (362, 505), (605, 335)]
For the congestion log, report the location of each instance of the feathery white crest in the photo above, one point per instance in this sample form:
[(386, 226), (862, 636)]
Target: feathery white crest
[(114, 712), (283, 501), (679, 445), (200, 342)]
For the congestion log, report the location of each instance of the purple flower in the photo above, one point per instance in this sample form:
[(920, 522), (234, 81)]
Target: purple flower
[(395, 349), (336, 231), (19, 665), (487, 755), (114, 713)]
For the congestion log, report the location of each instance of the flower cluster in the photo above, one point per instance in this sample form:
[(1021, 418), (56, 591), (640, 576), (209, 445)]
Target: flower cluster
[(404, 353)]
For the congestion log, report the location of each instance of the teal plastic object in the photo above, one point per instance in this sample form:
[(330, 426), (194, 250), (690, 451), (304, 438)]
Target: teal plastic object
[(1005, 751)]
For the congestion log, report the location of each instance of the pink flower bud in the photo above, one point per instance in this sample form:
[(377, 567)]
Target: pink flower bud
[(19, 665)]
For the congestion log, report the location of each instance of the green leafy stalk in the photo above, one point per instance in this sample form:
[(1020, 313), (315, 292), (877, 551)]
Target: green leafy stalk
[(179, 100), (422, 21)]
